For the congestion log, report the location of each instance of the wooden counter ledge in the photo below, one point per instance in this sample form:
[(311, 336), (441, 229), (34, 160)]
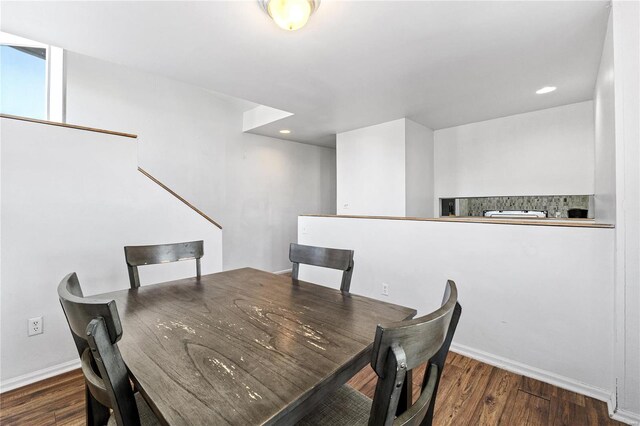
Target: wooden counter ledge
[(570, 223)]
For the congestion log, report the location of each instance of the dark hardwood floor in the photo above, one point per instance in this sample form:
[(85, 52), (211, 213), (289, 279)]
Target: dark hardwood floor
[(471, 393), (55, 401)]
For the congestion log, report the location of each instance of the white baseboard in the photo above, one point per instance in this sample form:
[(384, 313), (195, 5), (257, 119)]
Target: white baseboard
[(36, 376), (626, 417), (284, 271), (535, 373), (622, 415)]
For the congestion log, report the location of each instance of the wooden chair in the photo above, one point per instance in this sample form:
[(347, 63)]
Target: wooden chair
[(96, 329), (325, 257), (161, 253), (398, 349)]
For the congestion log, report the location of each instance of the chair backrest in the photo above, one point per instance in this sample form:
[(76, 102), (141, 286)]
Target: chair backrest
[(96, 329), (325, 257), (161, 253), (399, 348)]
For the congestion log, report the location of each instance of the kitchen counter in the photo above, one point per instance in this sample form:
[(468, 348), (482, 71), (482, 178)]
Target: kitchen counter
[(572, 223)]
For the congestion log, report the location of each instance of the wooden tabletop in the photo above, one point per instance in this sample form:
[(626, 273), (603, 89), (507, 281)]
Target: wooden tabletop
[(244, 346)]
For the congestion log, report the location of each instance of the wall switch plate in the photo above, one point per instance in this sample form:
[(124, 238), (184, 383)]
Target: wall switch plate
[(385, 289), (35, 326)]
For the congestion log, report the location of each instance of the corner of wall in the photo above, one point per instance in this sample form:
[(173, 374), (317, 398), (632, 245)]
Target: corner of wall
[(604, 134), (419, 169)]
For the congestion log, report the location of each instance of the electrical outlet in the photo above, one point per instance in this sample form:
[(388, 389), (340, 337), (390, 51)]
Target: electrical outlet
[(385, 289), (35, 326)]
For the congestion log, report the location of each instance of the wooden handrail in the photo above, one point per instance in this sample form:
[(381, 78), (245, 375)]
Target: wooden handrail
[(166, 188), (69, 126), (109, 132)]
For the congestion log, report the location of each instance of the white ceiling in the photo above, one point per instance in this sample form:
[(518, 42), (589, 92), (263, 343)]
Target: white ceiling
[(356, 63)]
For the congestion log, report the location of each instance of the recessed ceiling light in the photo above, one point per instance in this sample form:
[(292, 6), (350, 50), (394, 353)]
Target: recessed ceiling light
[(546, 89), (285, 131)]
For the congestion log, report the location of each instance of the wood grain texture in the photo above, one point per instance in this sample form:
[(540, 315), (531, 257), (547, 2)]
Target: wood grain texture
[(323, 257), (471, 386), (55, 401), (161, 253), (170, 191), (244, 346), (68, 126), (401, 347), (60, 400), (528, 410), (493, 401), (570, 223), (499, 399)]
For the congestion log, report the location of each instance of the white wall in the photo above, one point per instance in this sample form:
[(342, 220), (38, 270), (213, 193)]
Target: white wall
[(535, 299), (626, 52), (385, 170), (192, 141), (605, 136), (370, 171), (546, 152), (419, 169), (71, 200), (269, 182)]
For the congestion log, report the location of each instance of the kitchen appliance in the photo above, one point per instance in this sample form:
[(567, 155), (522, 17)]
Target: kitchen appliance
[(578, 213), (519, 214), (448, 207)]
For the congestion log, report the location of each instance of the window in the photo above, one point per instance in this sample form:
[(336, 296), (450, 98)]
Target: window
[(31, 79)]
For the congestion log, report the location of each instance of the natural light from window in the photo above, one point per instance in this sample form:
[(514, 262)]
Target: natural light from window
[(23, 82), (31, 79)]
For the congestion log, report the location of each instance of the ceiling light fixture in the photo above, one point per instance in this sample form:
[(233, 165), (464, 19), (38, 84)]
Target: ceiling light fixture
[(546, 89), (290, 15), (285, 131)]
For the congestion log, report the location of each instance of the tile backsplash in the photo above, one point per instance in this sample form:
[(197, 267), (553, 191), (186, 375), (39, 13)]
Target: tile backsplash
[(561, 203)]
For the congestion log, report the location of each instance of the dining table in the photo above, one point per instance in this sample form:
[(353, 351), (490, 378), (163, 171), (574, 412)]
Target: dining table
[(245, 346)]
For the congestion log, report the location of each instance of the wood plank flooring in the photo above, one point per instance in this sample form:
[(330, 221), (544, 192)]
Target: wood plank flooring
[(471, 393), (55, 401)]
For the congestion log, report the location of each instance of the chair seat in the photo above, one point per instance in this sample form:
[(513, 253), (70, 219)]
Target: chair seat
[(147, 418), (346, 406)]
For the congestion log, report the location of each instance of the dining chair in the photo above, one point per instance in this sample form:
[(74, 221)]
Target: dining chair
[(324, 257), (398, 349), (96, 329), (161, 253)]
